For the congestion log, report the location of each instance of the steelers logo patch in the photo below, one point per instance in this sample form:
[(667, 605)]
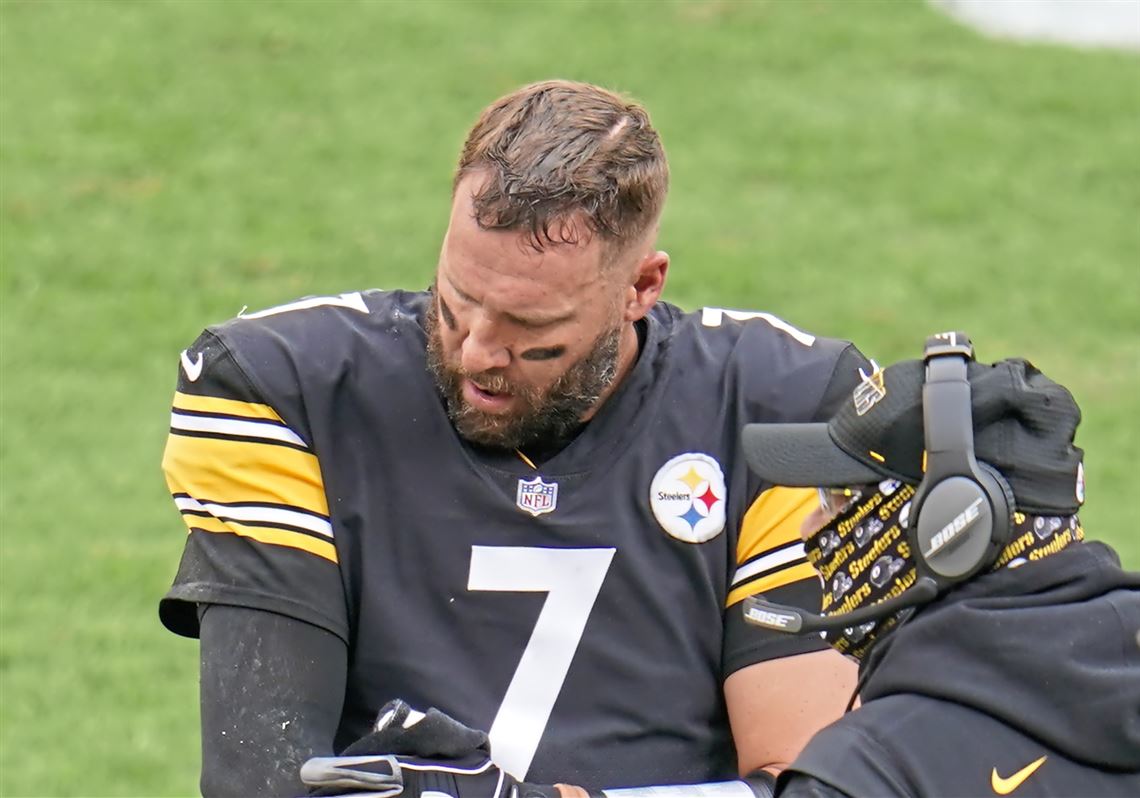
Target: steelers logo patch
[(688, 497)]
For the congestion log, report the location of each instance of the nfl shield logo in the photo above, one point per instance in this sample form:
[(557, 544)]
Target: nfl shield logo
[(537, 497)]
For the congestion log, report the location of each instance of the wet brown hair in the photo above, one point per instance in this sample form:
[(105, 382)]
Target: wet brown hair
[(559, 155)]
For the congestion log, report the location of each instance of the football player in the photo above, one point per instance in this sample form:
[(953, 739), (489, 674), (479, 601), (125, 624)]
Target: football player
[(517, 497)]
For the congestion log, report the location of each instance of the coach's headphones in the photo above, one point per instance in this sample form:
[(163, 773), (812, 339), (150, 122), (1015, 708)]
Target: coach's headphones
[(961, 513)]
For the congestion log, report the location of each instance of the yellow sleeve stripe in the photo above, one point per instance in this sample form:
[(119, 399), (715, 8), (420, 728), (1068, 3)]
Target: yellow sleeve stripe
[(787, 576), (774, 520), (233, 471), (769, 545), (269, 535), (232, 407)]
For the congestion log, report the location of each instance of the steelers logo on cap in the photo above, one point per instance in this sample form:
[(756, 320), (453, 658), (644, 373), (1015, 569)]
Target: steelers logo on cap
[(688, 497)]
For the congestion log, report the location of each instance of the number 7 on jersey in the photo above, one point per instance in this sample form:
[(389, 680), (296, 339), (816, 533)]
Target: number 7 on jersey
[(572, 578)]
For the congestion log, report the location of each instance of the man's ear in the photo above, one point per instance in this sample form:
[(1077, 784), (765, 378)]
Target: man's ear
[(648, 283)]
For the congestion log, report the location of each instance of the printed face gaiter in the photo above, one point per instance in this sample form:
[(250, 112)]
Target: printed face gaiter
[(864, 557)]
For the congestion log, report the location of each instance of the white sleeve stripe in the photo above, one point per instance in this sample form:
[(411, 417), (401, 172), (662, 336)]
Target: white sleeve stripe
[(227, 426), (267, 515), (784, 556)]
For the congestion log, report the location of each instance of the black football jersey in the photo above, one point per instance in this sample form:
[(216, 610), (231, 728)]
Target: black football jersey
[(585, 611)]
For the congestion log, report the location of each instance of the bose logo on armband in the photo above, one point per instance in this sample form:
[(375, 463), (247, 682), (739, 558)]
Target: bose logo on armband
[(773, 620)]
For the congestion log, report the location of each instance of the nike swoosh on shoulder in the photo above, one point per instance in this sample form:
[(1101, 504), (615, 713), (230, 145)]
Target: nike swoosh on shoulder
[(192, 368), (1004, 786)]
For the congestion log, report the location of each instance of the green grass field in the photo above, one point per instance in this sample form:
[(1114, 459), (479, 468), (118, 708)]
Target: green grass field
[(863, 169)]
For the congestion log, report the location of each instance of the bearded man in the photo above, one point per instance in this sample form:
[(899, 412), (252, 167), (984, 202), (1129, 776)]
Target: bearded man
[(517, 497)]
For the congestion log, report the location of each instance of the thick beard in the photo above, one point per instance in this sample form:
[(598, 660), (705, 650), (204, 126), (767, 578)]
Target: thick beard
[(545, 417)]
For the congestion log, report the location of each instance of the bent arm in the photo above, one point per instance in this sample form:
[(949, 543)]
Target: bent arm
[(272, 690), (775, 706)]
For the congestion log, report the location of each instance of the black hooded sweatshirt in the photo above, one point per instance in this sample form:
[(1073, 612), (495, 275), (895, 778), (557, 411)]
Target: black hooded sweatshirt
[(1024, 682)]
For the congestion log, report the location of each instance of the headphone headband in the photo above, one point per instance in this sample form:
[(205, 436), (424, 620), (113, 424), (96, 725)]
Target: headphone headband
[(948, 426)]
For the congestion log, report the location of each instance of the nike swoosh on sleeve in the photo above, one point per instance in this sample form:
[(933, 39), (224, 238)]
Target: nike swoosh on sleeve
[(192, 368)]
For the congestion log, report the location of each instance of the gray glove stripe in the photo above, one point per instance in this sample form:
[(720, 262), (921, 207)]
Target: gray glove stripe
[(337, 771)]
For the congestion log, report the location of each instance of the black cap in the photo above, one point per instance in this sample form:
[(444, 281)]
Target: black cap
[(1024, 425)]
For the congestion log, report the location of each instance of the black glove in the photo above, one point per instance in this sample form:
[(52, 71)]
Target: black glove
[(410, 753)]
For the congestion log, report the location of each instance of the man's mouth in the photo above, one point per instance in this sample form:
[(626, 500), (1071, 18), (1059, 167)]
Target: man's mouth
[(484, 399)]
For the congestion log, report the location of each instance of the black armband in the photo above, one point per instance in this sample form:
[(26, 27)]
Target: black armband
[(548, 791), (537, 791), (762, 782)]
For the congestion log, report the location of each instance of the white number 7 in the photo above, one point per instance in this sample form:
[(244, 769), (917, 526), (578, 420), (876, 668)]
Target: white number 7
[(573, 578)]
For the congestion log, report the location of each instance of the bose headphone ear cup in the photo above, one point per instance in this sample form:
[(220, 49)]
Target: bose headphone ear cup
[(952, 536), (963, 524), (1002, 501)]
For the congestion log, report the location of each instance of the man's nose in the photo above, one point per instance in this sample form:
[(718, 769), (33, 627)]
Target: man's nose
[(483, 349)]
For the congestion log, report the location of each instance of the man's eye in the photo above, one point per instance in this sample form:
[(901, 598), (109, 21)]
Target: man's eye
[(445, 312)]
